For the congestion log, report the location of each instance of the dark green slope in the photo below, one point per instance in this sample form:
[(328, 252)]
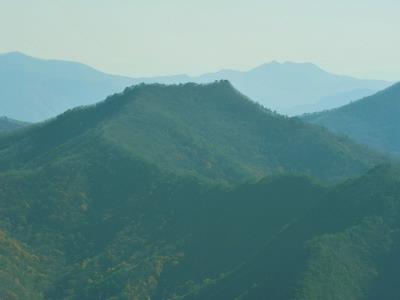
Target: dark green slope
[(94, 204), (373, 121), (100, 225), (211, 131), (106, 226), (346, 247)]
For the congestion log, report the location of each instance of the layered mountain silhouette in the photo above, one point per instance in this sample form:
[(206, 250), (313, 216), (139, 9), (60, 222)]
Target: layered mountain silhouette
[(139, 197), (288, 88), (36, 89), (7, 124), (373, 120)]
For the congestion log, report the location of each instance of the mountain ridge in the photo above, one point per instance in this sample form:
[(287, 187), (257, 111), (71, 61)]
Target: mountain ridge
[(38, 89), (7, 124), (210, 130), (190, 191), (372, 120)]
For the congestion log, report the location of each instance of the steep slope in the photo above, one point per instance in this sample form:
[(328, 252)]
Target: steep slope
[(21, 273), (101, 225), (289, 88), (35, 89), (373, 121), (211, 131), (7, 124), (345, 247), (93, 204)]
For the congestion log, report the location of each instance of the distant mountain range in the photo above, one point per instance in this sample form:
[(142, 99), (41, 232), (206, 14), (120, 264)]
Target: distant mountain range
[(36, 89), (288, 88), (158, 193), (7, 124), (373, 121)]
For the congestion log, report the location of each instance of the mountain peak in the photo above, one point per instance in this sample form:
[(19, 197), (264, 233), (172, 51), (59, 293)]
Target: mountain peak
[(223, 83), (15, 55), (287, 65), (394, 87)]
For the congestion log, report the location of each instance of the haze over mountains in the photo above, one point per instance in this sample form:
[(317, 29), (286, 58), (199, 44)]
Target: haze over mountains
[(196, 192), (373, 121), (7, 124), (35, 89), (276, 182), (288, 88)]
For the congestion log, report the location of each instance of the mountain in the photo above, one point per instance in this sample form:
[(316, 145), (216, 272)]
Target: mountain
[(36, 89), (92, 222), (288, 88), (331, 102), (137, 197), (373, 121), (7, 124), (211, 131)]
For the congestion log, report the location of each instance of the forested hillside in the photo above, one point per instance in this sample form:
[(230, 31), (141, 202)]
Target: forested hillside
[(117, 228), (188, 192), (373, 121), (211, 131), (268, 181), (345, 247)]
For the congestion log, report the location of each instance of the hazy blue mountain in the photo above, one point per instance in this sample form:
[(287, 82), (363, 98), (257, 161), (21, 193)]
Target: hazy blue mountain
[(331, 102), (7, 124), (373, 120), (35, 89), (289, 88)]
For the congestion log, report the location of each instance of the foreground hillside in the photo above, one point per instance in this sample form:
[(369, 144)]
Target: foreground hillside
[(373, 121), (211, 131), (137, 198), (107, 226), (124, 231), (345, 247)]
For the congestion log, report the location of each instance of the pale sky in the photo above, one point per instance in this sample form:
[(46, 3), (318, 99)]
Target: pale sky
[(159, 37)]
